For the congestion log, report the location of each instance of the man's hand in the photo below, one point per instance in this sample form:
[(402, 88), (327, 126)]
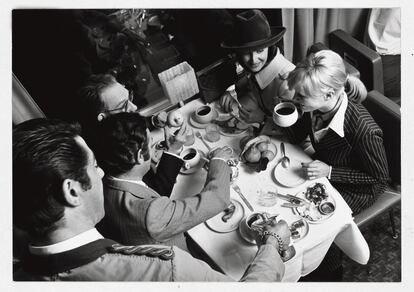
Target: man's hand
[(315, 169), (280, 228), (175, 141), (225, 153), (159, 120)]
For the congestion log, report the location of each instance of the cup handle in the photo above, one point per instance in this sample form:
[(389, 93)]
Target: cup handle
[(187, 165)]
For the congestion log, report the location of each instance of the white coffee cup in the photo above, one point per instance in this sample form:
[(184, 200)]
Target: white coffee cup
[(204, 114), (285, 114), (246, 230), (191, 157)]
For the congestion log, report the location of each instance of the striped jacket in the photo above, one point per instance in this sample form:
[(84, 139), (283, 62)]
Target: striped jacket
[(358, 160)]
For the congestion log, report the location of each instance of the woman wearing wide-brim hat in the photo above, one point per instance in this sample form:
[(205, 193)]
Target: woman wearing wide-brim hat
[(259, 86)]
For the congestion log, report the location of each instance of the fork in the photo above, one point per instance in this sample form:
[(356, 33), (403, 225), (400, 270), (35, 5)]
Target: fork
[(238, 191), (199, 136)]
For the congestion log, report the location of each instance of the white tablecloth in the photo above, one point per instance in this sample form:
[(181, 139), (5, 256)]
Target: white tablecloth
[(232, 254)]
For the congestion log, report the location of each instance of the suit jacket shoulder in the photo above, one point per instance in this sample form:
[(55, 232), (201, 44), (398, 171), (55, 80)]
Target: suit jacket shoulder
[(358, 122)]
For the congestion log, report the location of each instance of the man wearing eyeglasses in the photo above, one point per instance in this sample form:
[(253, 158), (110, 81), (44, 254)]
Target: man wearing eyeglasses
[(103, 96)]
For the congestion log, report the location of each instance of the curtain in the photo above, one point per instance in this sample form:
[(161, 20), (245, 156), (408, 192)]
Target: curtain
[(308, 26), (24, 107)]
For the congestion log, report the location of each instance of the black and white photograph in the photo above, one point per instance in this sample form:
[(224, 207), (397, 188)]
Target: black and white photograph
[(203, 143)]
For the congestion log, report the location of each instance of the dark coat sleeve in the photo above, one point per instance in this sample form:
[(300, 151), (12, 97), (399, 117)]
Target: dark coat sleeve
[(166, 174), (298, 131)]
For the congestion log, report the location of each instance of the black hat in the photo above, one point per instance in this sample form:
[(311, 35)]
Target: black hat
[(252, 32)]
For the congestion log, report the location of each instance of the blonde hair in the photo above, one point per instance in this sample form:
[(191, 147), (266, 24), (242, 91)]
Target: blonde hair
[(323, 71)]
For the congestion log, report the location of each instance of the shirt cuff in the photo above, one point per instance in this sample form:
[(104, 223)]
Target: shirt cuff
[(219, 158), (330, 171)]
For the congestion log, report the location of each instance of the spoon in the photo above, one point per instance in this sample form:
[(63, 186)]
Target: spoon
[(199, 136), (285, 160)]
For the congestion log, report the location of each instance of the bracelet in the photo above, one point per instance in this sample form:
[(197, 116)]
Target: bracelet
[(278, 238)]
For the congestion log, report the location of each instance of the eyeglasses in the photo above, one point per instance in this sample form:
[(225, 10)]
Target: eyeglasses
[(124, 107)]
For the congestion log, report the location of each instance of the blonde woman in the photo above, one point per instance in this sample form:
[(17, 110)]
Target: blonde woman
[(347, 143)]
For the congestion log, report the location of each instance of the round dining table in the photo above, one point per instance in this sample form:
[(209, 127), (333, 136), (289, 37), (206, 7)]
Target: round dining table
[(228, 249)]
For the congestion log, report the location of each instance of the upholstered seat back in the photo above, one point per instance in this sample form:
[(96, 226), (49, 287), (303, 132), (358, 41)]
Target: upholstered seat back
[(366, 60), (388, 116)]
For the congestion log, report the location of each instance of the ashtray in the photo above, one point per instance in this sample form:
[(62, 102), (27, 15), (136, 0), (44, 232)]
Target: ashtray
[(326, 208)]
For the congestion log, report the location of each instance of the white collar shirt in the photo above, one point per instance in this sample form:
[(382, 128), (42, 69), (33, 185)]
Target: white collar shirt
[(337, 122), (68, 244)]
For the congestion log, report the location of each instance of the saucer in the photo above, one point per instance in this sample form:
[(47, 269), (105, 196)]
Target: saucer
[(217, 224), (299, 229), (289, 177), (197, 167), (198, 125)]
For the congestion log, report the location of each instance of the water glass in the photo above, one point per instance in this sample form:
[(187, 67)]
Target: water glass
[(212, 133)]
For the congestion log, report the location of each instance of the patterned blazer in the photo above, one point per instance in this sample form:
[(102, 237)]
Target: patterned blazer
[(135, 214), (358, 160)]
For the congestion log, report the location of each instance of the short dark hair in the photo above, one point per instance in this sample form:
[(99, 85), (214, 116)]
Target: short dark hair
[(90, 93), (45, 153), (117, 140)]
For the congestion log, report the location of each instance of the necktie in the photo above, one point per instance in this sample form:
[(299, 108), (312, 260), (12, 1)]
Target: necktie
[(318, 120)]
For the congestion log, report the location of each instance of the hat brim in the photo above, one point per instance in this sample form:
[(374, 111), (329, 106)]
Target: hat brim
[(276, 34)]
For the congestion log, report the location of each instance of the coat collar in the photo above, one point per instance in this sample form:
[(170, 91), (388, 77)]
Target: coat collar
[(277, 66), (337, 121), (131, 187), (332, 139), (64, 261)]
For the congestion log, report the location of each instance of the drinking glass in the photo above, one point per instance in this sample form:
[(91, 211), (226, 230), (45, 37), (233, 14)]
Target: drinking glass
[(212, 133)]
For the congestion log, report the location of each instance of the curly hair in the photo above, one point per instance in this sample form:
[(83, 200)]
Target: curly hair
[(45, 153), (118, 139)]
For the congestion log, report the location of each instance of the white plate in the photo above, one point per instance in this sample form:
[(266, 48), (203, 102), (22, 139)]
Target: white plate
[(289, 177), (226, 130), (217, 224), (303, 230), (195, 168), (236, 132), (313, 215)]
